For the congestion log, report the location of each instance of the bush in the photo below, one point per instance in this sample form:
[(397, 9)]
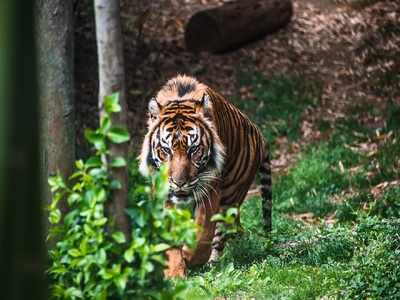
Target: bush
[(92, 259)]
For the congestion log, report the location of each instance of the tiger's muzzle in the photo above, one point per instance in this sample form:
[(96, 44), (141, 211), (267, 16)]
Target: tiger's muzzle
[(181, 192)]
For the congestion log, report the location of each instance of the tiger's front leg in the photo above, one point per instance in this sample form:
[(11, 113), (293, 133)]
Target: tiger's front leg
[(205, 234), (220, 238), (180, 258), (176, 265)]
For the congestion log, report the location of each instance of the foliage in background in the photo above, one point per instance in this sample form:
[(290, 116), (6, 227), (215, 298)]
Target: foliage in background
[(92, 259)]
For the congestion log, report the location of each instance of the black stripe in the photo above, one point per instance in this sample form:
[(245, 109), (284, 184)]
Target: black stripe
[(185, 88)]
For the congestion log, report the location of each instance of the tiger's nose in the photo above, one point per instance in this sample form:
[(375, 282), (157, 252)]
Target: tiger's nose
[(178, 183)]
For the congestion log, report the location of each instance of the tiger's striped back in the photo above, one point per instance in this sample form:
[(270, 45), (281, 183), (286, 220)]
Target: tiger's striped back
[(245, 151)]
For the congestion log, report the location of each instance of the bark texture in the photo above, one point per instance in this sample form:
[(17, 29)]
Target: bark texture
[(55, 34), (21, 240), (233, 24), (112, 80)]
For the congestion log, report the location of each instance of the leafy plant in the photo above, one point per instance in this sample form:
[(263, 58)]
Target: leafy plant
[(91, 258), (228, 220)]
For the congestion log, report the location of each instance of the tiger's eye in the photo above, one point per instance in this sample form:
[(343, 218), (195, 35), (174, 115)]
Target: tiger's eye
[(196, 153), (166, 150), (163, 153)]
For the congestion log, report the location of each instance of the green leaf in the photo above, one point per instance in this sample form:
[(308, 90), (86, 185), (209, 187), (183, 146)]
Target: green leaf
[(120, 282), (119, 237), (55, 216), (95, 138), (71, 217), (148, 266), (89, 197), (76, 175), (118, 135), (97, 172), (72, 293), (74, 252), (101, 195), (56, 182), (118, 162), (232, 211), (74, 197), (111, 103), (106, 274), (88, 230), (83, 247), (100, 222), (59, 270), (93, 162), (115, 184), (105, 124), (161, 247), (101, 256), (157, 223), (217, 217), (116, 269), (79, 164), (128, 255), (159, 258), (139, 242)]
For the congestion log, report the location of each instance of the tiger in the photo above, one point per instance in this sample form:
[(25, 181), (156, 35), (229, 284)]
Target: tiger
[(213, 152)]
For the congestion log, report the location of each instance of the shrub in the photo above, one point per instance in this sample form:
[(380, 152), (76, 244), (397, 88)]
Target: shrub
[(91, 258)]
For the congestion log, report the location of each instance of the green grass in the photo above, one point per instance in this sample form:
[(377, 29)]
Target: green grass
[(313, 180), (354, 258), (277, 103)]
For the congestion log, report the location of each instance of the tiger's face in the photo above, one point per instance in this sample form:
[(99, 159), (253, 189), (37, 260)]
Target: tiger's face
[(185, 147), (182, 136)]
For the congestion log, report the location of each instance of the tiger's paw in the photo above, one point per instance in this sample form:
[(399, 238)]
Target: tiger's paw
[(214, 257)]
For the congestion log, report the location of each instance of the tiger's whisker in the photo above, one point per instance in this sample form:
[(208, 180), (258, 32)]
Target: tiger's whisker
[(205, 195)]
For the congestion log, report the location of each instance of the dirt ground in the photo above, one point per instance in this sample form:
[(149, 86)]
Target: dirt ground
[(341, 45)]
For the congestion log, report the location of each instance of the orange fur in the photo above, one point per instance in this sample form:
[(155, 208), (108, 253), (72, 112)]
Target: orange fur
[(213, 152)]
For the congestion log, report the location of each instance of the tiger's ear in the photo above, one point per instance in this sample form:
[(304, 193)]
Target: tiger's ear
[(154, 108), (206, 106)]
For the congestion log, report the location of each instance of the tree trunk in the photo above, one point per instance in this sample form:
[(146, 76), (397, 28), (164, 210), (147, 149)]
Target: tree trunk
[(21, 240), (231, 25), (112, 80), (55, 34)]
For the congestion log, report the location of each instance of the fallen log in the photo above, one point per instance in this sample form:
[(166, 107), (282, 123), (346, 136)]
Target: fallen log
[(231, 25)]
